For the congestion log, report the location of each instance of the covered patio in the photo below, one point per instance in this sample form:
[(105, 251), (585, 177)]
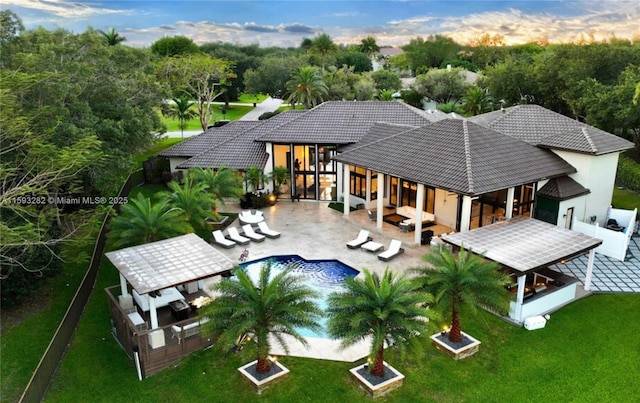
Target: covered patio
[(526, 248), (155, 306)]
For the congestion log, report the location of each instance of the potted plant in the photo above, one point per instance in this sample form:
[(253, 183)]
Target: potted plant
[(389, 310), (280, 176), (277, 304), (463, 282)]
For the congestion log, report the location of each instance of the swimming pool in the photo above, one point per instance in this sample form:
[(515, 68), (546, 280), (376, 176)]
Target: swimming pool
[(323, 276)]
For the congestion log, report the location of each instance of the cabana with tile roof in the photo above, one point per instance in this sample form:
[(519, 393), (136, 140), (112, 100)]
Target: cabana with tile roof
[(527, 247)]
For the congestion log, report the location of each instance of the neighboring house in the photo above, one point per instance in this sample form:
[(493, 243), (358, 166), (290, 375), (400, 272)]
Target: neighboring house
[(380, 60), (523, 160)]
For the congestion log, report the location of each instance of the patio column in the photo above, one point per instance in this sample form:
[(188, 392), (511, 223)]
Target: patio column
[(367, 198), (509, 213), (417, 236), (125, 299), (346, 188), (587, 279), (520, 297), (152, 311), (465, 214), (380, 201)]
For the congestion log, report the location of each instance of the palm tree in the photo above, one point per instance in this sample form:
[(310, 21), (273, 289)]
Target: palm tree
[(254, 177), (466, 281), (275, 305), (191, 198), (306, 87), (280, 176), (112, 37), (476, 101), (450, 107), (369, 47), (323, 46), (385, 95), (143, 220), (219, 184), (181, 109), (390, 309)]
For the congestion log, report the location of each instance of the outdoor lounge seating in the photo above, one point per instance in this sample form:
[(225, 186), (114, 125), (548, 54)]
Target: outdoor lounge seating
[(395, 248), (165, 297), (235, 236), (362, 238), (372, 247), (410, 213), (218, 238), (182, 332), (264, 229), (250, 217), (372, 215), (249, 232)]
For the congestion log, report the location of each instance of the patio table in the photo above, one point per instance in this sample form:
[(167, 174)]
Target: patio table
[(372, 246)]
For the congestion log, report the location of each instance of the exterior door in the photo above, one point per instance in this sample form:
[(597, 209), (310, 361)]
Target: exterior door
[(568, 218)]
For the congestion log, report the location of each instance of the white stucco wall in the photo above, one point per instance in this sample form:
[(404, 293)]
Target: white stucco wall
[(596, 173), (446, 208), (579, 206), (174, 162)]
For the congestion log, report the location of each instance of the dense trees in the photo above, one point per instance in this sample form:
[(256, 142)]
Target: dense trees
[(174, 46), (441, 85)]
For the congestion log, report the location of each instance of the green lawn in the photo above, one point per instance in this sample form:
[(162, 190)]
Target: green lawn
[(154, 150), (586, 353), (625, 199), (234, 112), (251, 98)]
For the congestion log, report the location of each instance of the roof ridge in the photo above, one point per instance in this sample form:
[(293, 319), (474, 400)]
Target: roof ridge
[(467, 153), (587, 136)]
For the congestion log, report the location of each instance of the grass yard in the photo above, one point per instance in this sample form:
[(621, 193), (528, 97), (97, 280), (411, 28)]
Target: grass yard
[(585, 354), (625, 199), (154, 150), (245, 98), (234, 112)]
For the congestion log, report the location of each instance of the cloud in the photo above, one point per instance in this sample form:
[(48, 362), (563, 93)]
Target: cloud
[(65, 9)]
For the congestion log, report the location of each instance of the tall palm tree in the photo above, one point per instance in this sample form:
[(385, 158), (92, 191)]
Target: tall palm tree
[(143, 220), (323, 46), (476, 101), (464, 282), (278, 304), (181, 109), (390, 309), (219, 184), (369, 47), (306, 87), (192, 199), (112, 37), (280, 176)]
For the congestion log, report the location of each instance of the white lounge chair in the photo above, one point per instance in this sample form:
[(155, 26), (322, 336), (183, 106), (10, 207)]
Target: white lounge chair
[(264, 229), (218, 237), (235, 236), (251, 234), (362, 238), (395, 248)]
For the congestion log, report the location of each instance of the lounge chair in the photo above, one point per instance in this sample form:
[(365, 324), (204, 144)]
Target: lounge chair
[(394, 250), (235, 236), (219, 238), (251, 234), (264, 229), (362, 238)]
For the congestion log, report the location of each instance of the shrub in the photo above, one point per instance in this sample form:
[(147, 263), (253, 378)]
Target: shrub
[(628, 173)]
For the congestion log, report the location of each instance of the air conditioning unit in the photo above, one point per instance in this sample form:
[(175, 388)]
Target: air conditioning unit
[(534, 322)]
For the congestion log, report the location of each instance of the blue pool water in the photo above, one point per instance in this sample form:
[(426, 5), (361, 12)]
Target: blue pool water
[(323, 276)]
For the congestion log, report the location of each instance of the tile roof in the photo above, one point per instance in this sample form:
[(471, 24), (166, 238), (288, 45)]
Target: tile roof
[(343, 122), (542, 127), (207, 139), (524, 243), (379, 131), (241, 151), (458, 155), (562, 188)]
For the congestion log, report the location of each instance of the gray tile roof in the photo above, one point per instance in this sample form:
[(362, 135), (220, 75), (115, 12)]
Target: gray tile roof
[(343, 122), (542, 127), (460, 156), (241, 151), (562, 188), (208, 139), (377, 132)]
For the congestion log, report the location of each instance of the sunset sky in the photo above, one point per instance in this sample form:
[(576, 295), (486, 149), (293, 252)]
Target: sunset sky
[(286, 23)]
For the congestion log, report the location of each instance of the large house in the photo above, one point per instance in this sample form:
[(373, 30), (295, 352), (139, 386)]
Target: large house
[(466, 173)]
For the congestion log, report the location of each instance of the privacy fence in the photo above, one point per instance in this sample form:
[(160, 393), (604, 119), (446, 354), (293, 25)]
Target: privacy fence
[(52, 357)]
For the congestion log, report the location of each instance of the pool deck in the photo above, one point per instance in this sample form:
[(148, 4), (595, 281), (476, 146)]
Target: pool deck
[(314, 231)]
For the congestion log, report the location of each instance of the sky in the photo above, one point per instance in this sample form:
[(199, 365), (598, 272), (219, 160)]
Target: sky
[(286, 23)]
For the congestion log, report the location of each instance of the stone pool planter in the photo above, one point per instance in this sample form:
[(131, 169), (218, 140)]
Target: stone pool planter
[(467, 347), (375, 386), (261, 382)]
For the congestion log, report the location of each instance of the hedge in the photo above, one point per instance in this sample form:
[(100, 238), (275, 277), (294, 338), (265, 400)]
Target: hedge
[(628, 173)]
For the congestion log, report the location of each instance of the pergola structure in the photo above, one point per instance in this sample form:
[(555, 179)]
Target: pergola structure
[(526, 245), (156, 266)]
